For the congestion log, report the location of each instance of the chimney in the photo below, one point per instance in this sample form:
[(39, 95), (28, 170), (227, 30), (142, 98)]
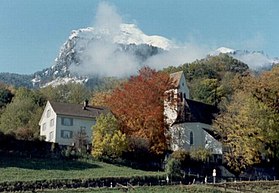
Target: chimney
[(85, 104)]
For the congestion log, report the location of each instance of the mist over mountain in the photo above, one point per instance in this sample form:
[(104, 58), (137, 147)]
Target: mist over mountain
[(256, 60), (91, 53)]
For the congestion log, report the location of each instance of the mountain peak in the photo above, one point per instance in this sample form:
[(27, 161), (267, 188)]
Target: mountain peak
[(127, 34), (131, 34), (225, 50)]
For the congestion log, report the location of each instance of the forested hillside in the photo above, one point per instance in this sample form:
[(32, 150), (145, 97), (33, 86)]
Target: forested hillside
[(210, 79), (249, 124), (16, 80)]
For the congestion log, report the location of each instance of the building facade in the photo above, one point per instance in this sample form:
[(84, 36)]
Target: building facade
[(189, 121), (62, 122)]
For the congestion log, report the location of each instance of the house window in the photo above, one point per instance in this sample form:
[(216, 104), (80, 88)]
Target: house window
[(67, 121), (184, 95), (44, 126), (51, 122), (48, 113), (50, 135), (191, 138), (66, 134)]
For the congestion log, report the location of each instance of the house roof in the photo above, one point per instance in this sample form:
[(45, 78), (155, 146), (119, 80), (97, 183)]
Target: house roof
[(77, 110), (176, 78), (201, 112)]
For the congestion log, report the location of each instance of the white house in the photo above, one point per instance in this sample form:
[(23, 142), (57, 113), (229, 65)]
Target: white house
[(189, 121), (60, 122)]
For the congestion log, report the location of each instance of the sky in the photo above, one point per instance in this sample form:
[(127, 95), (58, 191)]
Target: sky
[(32, 31)]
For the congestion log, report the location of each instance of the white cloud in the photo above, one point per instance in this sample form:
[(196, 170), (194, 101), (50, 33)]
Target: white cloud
[(177, 56), (103, 58), (107, 18), (255, 60)]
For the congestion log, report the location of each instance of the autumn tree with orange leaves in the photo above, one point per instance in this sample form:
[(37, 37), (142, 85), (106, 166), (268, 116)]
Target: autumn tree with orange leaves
[(139, 104)]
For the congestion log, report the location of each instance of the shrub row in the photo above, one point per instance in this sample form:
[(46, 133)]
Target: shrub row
[(36, 148), (78, 183), (246, 185)]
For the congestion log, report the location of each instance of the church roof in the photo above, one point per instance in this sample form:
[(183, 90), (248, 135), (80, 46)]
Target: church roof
[(201, 112), (195, 111), (176, 78)]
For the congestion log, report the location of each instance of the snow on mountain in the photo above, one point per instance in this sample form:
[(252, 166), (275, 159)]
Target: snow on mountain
[(224, 50), (127, 34), (85, 44), (131, 34), (65, 80), (89, 51), (256, 60)]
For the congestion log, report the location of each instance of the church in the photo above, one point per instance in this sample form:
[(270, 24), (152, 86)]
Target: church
[(189, 121)]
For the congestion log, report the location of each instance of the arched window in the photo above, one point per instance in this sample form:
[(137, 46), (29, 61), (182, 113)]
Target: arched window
[(191, 138), (172, 95)]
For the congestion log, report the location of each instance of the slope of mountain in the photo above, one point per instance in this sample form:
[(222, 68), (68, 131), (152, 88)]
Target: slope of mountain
[(131, 34), (129, 40), (16, 80)]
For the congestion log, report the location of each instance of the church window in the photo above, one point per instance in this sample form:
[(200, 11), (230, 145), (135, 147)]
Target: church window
[(191, 138)]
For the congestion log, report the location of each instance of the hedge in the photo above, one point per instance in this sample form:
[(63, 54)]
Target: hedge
[(78, 183)]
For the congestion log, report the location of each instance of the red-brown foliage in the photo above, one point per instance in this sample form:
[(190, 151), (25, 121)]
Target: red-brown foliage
[(139, 106)]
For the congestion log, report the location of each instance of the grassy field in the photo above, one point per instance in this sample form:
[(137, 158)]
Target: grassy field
[(25, 169), (178, 189), (151, 189), (250, 186)]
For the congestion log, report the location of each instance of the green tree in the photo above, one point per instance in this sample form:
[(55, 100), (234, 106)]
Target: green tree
[(209, 79), (108, 140), (200, 154), (22, 115), (174, 168), (207, 91), (74, 93), (17, 115), (77, 93), (5, 96)]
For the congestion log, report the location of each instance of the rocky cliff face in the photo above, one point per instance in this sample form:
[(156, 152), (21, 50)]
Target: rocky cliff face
[(129, 40)]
